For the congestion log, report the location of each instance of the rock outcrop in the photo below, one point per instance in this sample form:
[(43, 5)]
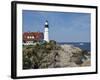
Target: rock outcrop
[(70, 56), (55, 56)]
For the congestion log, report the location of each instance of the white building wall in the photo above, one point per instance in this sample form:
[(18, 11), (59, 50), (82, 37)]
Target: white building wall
[(46, 34)]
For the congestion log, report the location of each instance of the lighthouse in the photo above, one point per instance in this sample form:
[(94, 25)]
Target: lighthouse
[(46, 33)]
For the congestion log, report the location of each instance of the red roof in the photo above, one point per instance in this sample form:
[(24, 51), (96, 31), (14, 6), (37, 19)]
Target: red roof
[(31, 36)]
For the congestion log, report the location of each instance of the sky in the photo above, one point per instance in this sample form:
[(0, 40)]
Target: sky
[(63, 26)]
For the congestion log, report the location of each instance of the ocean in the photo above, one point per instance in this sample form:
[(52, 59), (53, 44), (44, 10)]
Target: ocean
[(82, 45)]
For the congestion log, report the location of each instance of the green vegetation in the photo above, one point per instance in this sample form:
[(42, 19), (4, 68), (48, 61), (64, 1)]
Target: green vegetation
[(38, 56)]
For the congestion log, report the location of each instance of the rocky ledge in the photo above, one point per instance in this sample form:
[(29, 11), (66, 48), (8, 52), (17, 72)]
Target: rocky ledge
[(69, 56), (55, 56)]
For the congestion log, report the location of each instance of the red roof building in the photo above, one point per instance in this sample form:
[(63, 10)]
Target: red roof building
[(32, 36)]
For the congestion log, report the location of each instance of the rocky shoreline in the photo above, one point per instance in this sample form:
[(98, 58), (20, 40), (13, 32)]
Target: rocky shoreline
[(75, 56), (70, 56), (56, 56)]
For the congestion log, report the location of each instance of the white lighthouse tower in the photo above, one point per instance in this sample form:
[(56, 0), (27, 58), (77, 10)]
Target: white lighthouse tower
[(46, 33)]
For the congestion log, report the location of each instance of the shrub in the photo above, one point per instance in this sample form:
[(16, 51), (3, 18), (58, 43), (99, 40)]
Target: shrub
[(37, 56)]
